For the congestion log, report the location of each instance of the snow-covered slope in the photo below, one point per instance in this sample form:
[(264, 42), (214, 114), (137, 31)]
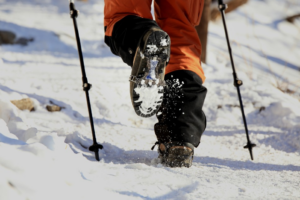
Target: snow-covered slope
[(44, 155)]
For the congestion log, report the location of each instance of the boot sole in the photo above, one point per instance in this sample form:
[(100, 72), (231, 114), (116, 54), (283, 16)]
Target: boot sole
[(148, 71)]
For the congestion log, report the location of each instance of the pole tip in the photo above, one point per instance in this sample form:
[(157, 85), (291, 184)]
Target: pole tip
[(249, 146)]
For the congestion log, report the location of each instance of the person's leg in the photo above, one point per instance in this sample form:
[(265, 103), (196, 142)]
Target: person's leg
[(131, 34), (115, 10), (124, 22), (181, 120), (179, 18)]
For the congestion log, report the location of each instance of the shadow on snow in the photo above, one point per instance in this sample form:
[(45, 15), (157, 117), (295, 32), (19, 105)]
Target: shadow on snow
[(48, 42)]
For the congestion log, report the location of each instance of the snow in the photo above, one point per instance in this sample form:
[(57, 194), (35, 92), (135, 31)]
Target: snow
[(152, 48), (164, 42), (149, 91), (153, 65), (149, 96), (44, 155)]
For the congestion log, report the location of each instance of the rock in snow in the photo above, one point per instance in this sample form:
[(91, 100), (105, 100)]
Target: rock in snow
[(7, 37), (24, 104)]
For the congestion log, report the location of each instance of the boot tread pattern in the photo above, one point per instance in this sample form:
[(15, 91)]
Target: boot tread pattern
[(148, 72)]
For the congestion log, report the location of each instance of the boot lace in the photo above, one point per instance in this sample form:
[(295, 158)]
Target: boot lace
[(156, 143)]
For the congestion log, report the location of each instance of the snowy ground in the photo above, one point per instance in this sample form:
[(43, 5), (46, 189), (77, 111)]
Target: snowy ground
[(43, 155)]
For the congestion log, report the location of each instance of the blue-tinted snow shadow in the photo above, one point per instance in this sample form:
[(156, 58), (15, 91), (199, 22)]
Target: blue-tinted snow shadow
[(113, 154), (274, 59), (60, 6), (277, 140), (145, 157), (10, 141), (280, 142), (242, 165), (273, 25), (259, 53), (234, 132), (67, 109), (47, 42), (259, 66), (175, 194), (283, 62)]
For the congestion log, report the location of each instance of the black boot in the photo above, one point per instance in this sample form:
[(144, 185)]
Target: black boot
[(181, 120), (175, 154)]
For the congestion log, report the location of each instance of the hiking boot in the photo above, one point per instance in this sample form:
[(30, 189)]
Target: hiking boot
[(176, 154), (148, 71)]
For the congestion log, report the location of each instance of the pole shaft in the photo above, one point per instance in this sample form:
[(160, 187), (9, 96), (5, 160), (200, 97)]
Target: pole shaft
[(84, 79), (79, 50), (243, 113), (86, 86), (237, 82), (235, 76), (228, 44)]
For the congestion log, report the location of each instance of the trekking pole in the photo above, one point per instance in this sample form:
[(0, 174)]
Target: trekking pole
[(237, 82), (86, 86)]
